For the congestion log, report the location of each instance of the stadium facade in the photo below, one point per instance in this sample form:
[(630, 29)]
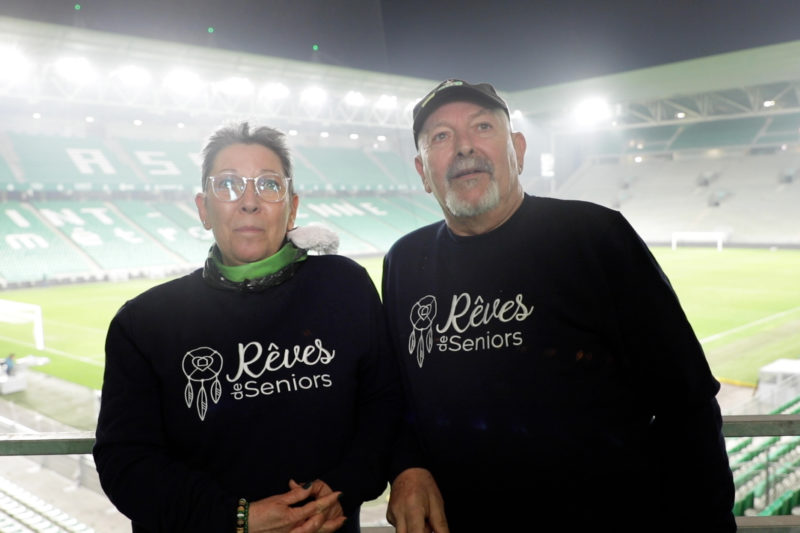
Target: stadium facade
[(99, 148)]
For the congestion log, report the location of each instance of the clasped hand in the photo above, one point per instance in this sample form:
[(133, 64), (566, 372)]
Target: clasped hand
[(281, 513)]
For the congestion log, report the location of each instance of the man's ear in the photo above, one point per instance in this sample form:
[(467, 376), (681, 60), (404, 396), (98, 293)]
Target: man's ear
[(520, 145), (421, 171)]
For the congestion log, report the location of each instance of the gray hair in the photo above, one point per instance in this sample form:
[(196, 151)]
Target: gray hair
[(241, 133)]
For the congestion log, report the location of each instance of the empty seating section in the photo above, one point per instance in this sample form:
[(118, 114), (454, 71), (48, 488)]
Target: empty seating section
[(366, 224), (30, 250), (23, 512), (660, 197), (402, 173), (732, 132), (347, 169), (7, 180), (106, 236), (166, 164), (635, 140), (190, 243), (765, 470), (58, 163)]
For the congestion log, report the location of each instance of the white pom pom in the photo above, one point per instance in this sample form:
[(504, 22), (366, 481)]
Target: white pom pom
[(315, 238)]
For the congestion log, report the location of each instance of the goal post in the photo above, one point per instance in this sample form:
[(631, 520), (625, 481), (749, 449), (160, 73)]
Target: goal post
[(709, 237), (22, 313)]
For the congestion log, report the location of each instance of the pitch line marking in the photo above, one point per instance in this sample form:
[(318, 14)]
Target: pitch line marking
[(749, 325), (86, 360)]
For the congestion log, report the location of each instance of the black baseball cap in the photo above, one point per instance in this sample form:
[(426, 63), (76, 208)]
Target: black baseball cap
[(454, 91)]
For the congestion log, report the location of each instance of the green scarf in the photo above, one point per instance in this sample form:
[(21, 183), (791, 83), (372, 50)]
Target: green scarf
[(256, 276)]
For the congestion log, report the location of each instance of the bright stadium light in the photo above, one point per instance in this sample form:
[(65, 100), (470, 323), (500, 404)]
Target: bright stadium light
[(183, 82), (324, 134), (235, 86), (16, 67), (354, 136), (76, 70), (313, 96), (381, 138), (769, 103), (386, 102), (274, 91), (680, 114), (132, 76), (592, 111), (354, 99)]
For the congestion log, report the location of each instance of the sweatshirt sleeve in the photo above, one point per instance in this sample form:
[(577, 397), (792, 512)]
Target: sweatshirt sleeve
[(363, 475), (676, 383), (143, 480)]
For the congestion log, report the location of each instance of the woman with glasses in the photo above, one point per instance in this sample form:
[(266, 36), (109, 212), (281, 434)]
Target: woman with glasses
[(257, 393)]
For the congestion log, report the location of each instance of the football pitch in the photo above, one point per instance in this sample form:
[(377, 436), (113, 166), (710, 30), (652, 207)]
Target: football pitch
[(744, 305)]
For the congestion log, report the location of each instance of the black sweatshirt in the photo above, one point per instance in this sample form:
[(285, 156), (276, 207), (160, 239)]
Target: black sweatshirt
[(553, 377), (211, 395)]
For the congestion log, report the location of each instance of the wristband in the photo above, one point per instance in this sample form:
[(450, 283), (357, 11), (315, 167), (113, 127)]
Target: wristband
[(242, 510)]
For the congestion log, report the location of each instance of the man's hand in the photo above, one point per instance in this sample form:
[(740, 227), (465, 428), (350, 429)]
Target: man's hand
[(415, 503)]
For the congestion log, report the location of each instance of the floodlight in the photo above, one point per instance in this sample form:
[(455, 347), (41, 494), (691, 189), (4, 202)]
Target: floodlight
[(324, 134), (274, 91), (353, 136), (235, 86), (381, 138), (313, 96), (516, 114), (680, 114), (354, 98), (293, 133), (16, 67), (132, 76), (183, 82), (76, 70), (769, 103), (386, 102), (592, 111)]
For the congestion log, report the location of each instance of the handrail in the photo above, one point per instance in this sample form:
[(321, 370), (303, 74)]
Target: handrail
[(81, 442)]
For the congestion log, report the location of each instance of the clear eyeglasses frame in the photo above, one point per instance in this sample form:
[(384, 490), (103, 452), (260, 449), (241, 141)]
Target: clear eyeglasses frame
[(228, 187)]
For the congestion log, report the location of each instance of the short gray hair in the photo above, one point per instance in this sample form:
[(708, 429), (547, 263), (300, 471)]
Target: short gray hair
[(241, 133)]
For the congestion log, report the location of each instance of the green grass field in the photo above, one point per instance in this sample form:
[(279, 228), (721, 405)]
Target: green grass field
[(743, 304)]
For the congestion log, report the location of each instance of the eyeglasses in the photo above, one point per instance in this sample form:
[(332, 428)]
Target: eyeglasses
[(228, 187)]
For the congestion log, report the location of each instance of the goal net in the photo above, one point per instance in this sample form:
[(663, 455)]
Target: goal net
[(24, 313), (699, 237)]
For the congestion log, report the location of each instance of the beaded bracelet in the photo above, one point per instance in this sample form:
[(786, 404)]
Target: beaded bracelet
[(242, 510)]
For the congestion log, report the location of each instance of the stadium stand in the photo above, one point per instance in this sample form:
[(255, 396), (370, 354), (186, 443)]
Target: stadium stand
[(73, 163)]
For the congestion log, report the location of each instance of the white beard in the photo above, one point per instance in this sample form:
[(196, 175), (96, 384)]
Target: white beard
[(462, 208)]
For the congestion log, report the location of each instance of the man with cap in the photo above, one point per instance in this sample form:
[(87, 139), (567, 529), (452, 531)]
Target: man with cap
[(552, 378)]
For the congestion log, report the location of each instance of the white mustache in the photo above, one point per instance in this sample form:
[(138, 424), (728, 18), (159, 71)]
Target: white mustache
[(468, 165)]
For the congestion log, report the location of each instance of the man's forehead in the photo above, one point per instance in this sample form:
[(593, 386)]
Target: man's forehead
[(461, 109)]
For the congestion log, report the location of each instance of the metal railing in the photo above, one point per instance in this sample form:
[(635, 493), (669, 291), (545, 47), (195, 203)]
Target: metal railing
[(733, 426)]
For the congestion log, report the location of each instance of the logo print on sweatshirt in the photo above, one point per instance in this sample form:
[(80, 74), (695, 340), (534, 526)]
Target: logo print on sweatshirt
[(199, 366), (422, 314)]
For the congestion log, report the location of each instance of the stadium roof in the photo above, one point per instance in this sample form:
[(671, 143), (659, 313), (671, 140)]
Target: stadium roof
[(735, 83), (762, 80)]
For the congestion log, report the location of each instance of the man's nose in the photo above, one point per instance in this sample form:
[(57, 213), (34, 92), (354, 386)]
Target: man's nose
[(464, 145)]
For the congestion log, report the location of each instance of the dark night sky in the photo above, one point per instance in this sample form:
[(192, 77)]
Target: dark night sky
[(515, 45)]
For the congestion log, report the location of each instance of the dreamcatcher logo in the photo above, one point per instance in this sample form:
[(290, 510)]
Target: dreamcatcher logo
[(202, 365), (421, 338)]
